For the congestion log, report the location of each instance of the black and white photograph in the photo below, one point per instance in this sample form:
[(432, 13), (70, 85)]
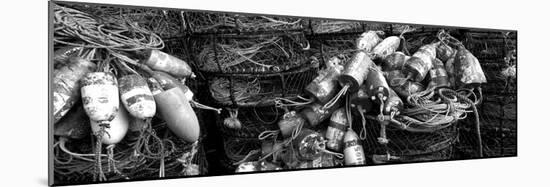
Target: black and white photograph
[(146, 93)]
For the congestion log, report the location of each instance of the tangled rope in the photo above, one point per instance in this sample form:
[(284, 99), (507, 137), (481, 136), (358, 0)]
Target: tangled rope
[(221, 89), (71, 24)]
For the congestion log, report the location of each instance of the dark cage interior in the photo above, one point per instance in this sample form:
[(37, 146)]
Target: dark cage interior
[(254, 84)]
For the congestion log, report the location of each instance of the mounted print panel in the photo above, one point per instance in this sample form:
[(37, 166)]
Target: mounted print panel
[(141, 93)]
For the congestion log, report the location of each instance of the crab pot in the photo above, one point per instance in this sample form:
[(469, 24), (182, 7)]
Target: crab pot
[(100, 96), (66, 85), (116, 130), (418, 66), (336, 129), (387, 47), (315, 114), (355, 71), (136, 96), (353, 151), (468, 72), (178, 114), (395, 61), (75, 124), (438, 75), (325, 85), (394, 103), (289, 122), (368, 40), (160, 61), (377, 86), (308, 144), (444, 52)]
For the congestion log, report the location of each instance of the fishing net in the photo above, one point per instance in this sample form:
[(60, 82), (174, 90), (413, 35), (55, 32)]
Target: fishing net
[(498, 112), (183, 159), (164, 22), (216, 23), (328, 46), (260, 90), (260, 54), (324, 26)]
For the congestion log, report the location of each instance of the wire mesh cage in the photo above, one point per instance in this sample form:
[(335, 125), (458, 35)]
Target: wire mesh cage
[(243, 90), (324, 26), (166, 23), (253, 121), (490, 45), (249, 54), (183, 159), (326, 47), (409, 146), (216, 23)]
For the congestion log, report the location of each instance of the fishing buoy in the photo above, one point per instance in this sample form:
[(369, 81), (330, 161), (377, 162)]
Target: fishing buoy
[(377, 86), (75, 124), (315, 113), (160, 61), (468, 72), (325, 160), (336, 129), (178, 114), (403, 88), (325, 85), (395, 61), (100, 96), (136, 96), (270, 148), (388, 46), (66, 85), (289, 122), (118, 127), (368, 40), (444, 52), (418, 66), (355, 71), (438, 75), (269, 166), (449, 68), (362, 100), (353, 151), (309, 144), (394, 104), (248, 167)]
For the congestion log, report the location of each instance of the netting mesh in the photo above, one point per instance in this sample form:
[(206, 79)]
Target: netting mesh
[(320, 26), (164, 22), (260, 90), (204, 22), (324, 48), (496, 52), (250, 54)]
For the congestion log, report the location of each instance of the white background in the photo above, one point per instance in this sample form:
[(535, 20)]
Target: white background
[(24, 96)]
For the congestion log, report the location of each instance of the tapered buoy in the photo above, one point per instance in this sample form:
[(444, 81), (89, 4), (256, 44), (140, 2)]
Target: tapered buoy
[(395, 61), (161, 61), (368, 40), (393, 104), (468, 72), (325, 85), (353, 151), (136, 96), (418, 66), (116, 130), (388, 46), (66, 85), (315, 114), (355, 72), (75, 124), (336, 129), (289, 122), (100, 96), (377, 86), (178, 114)]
